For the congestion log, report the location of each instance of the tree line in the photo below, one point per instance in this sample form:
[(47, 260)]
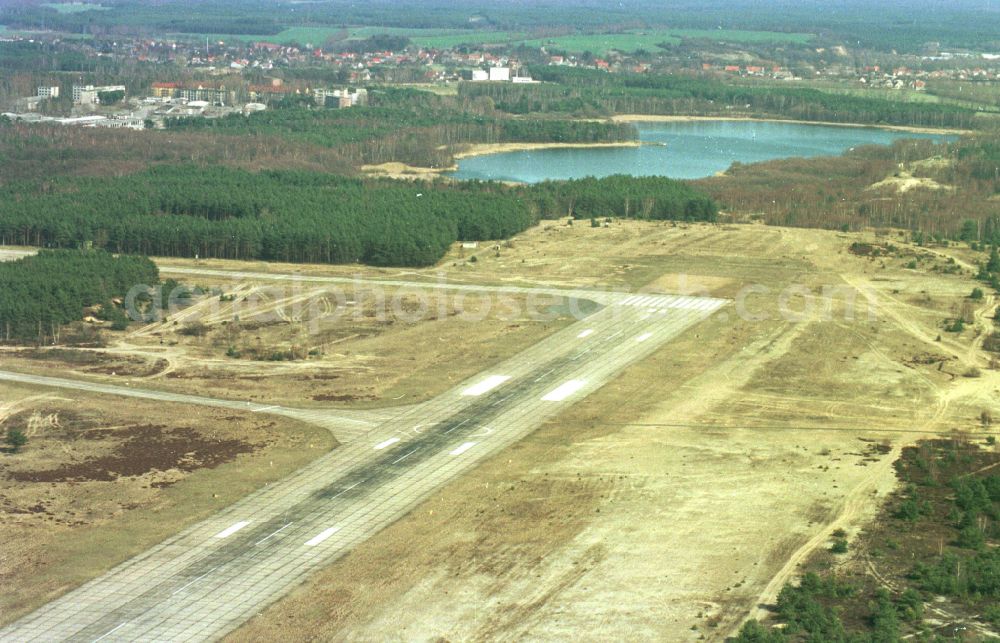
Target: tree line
[(649, 197), (312, 217), (40, 294), (586, 92), (234, 214)]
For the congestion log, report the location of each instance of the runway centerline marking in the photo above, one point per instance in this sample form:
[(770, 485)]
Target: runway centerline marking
[(178, 591), (542, 376), (643, 337), (110, 632), (321, 536), (586, 333), (563, 391), (486, 385), (387, 443), (274, 533), (457, 426), (463, 448), (229, 531), (346, 489), (403, 457)]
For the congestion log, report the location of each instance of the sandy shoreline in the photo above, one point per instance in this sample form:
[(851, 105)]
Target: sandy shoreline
[(654, 118), (403, 171), (480, 149)]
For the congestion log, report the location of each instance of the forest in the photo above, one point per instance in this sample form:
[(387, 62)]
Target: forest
[(861, 189), (582, 92), (297, 216), (40, 294), (234, 214), (652, 198), (405, 125)]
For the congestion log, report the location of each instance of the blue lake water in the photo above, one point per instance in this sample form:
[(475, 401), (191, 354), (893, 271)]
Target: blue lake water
[(690, 150)]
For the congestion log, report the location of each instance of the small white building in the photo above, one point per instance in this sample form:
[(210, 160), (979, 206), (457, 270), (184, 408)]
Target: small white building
[(480, 75), (500, 74)]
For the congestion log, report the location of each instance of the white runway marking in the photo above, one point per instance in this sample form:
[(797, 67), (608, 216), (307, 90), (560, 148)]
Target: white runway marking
[(458, 426), (387, 443), (265, 408), (321, 536), (343, 491), (403, 457), (488, 384), (110, 632), (586, 333), (229, 531), (563, 391), (463, 448), (273, 533), (542, 376), (189, 584), (643, 337)]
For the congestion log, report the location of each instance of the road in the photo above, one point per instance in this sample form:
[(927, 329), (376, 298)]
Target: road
[(210, 578), (344, 422)]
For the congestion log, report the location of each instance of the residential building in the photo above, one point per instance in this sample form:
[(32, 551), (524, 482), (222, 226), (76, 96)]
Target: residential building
[(48, 92), (165, 90), (90, 95)]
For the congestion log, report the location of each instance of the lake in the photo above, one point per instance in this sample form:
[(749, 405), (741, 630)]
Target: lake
[(683, 150)]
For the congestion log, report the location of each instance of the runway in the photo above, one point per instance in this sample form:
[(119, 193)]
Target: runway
[(213, 576)]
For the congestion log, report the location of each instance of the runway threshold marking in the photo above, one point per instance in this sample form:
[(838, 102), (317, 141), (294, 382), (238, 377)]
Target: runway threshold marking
[(563, 391), (486, 385), (321, 536), (586, 333), (387, 443), (463, 448), (232, 529)]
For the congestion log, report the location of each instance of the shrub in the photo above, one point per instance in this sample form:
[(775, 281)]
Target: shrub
[(16, 439), (977, 293), (194, 329)]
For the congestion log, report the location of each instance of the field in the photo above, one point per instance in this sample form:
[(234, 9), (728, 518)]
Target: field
[(100, 481), (598, 44), (74, 7), (601, 44)]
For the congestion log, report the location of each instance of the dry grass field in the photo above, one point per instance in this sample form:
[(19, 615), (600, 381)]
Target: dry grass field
[(102, 479)]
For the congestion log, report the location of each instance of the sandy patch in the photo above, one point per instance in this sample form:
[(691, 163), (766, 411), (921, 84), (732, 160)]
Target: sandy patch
[(904, 182)]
